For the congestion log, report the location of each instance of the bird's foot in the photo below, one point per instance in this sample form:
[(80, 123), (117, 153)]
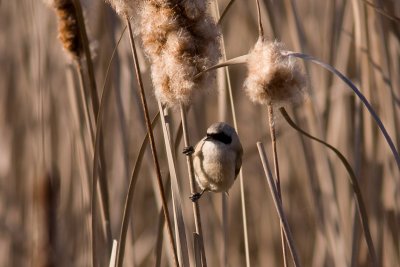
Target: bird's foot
[(196, 196), (189, 150)]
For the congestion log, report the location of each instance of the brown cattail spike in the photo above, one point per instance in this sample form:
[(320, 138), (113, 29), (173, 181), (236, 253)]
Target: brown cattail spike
[(68, 27), (273, 78)]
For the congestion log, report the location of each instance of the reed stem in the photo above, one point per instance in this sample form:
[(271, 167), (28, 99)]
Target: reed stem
[(235, 125), (103, 193), (152, 143), (362, 211), (277, 174), (278, 205), (196, 207)]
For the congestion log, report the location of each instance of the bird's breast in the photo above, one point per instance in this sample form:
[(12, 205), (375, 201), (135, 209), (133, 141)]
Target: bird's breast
[(215, 167)]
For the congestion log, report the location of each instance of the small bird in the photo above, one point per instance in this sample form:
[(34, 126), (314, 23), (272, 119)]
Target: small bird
[(217, 159)]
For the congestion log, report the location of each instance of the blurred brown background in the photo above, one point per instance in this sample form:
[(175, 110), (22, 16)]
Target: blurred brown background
[(46, 159)]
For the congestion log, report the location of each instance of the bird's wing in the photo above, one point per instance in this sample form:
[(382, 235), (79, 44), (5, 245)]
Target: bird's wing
[(198, 147), (238, 163)]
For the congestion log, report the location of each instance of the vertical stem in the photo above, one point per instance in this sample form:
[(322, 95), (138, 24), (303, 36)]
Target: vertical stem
[(152, 143), (233, 111), (89, 63), (277, 175), (103, 194), (180, 233), (260, 27), (196, 208)]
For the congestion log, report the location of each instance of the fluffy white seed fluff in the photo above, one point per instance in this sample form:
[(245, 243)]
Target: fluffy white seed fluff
[(125, 8), (181, 40), (273, 78)]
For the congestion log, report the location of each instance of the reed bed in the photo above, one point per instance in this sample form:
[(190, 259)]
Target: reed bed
[(87, 179)]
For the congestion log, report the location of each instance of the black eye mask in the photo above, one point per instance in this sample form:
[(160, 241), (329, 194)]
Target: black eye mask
[(221, 137)]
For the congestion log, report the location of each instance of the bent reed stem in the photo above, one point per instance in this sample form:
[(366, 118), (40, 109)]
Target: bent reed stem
[(278, 205), (360, 95), (152, 143), (362, 211)]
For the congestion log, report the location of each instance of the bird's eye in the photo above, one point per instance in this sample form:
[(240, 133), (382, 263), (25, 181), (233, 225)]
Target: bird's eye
[(221, 137)]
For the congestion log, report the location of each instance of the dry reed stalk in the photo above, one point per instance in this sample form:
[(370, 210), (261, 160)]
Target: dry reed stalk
[(381, 11), (273, 140), (225, 11), (72, 33), (176, 198), (195, 204), (374, 116), (113, 255), (278, 205), (119, 254), (235, 124), (95, 188), (101, 183), (158, 245), (361, 97), (353, 181), (271, 123), (272, 81), (152, 143), (81, 159), (330, 205), (129, 196)]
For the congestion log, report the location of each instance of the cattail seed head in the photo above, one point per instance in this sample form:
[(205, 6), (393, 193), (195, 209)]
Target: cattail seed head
[(125, 8), (273, 78), (181, 40), (68, 27)]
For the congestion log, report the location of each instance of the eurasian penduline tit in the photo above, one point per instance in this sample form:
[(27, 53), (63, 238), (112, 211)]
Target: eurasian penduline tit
[(217, 159)]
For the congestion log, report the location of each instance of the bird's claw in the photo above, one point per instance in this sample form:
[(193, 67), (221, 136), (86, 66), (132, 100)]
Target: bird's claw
[(196, 196), (189, 150)]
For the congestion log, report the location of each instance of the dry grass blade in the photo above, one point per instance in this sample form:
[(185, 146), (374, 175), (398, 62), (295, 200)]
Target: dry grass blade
[(104, 202), (88, 56), (130, 194), (99, 121), (230, 62), (278, 204), (359, 95), (381, 11), (152, 143), (113, 253), (353, 181), (176, 198), (158, 246), (227, 8), (241, 179)]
